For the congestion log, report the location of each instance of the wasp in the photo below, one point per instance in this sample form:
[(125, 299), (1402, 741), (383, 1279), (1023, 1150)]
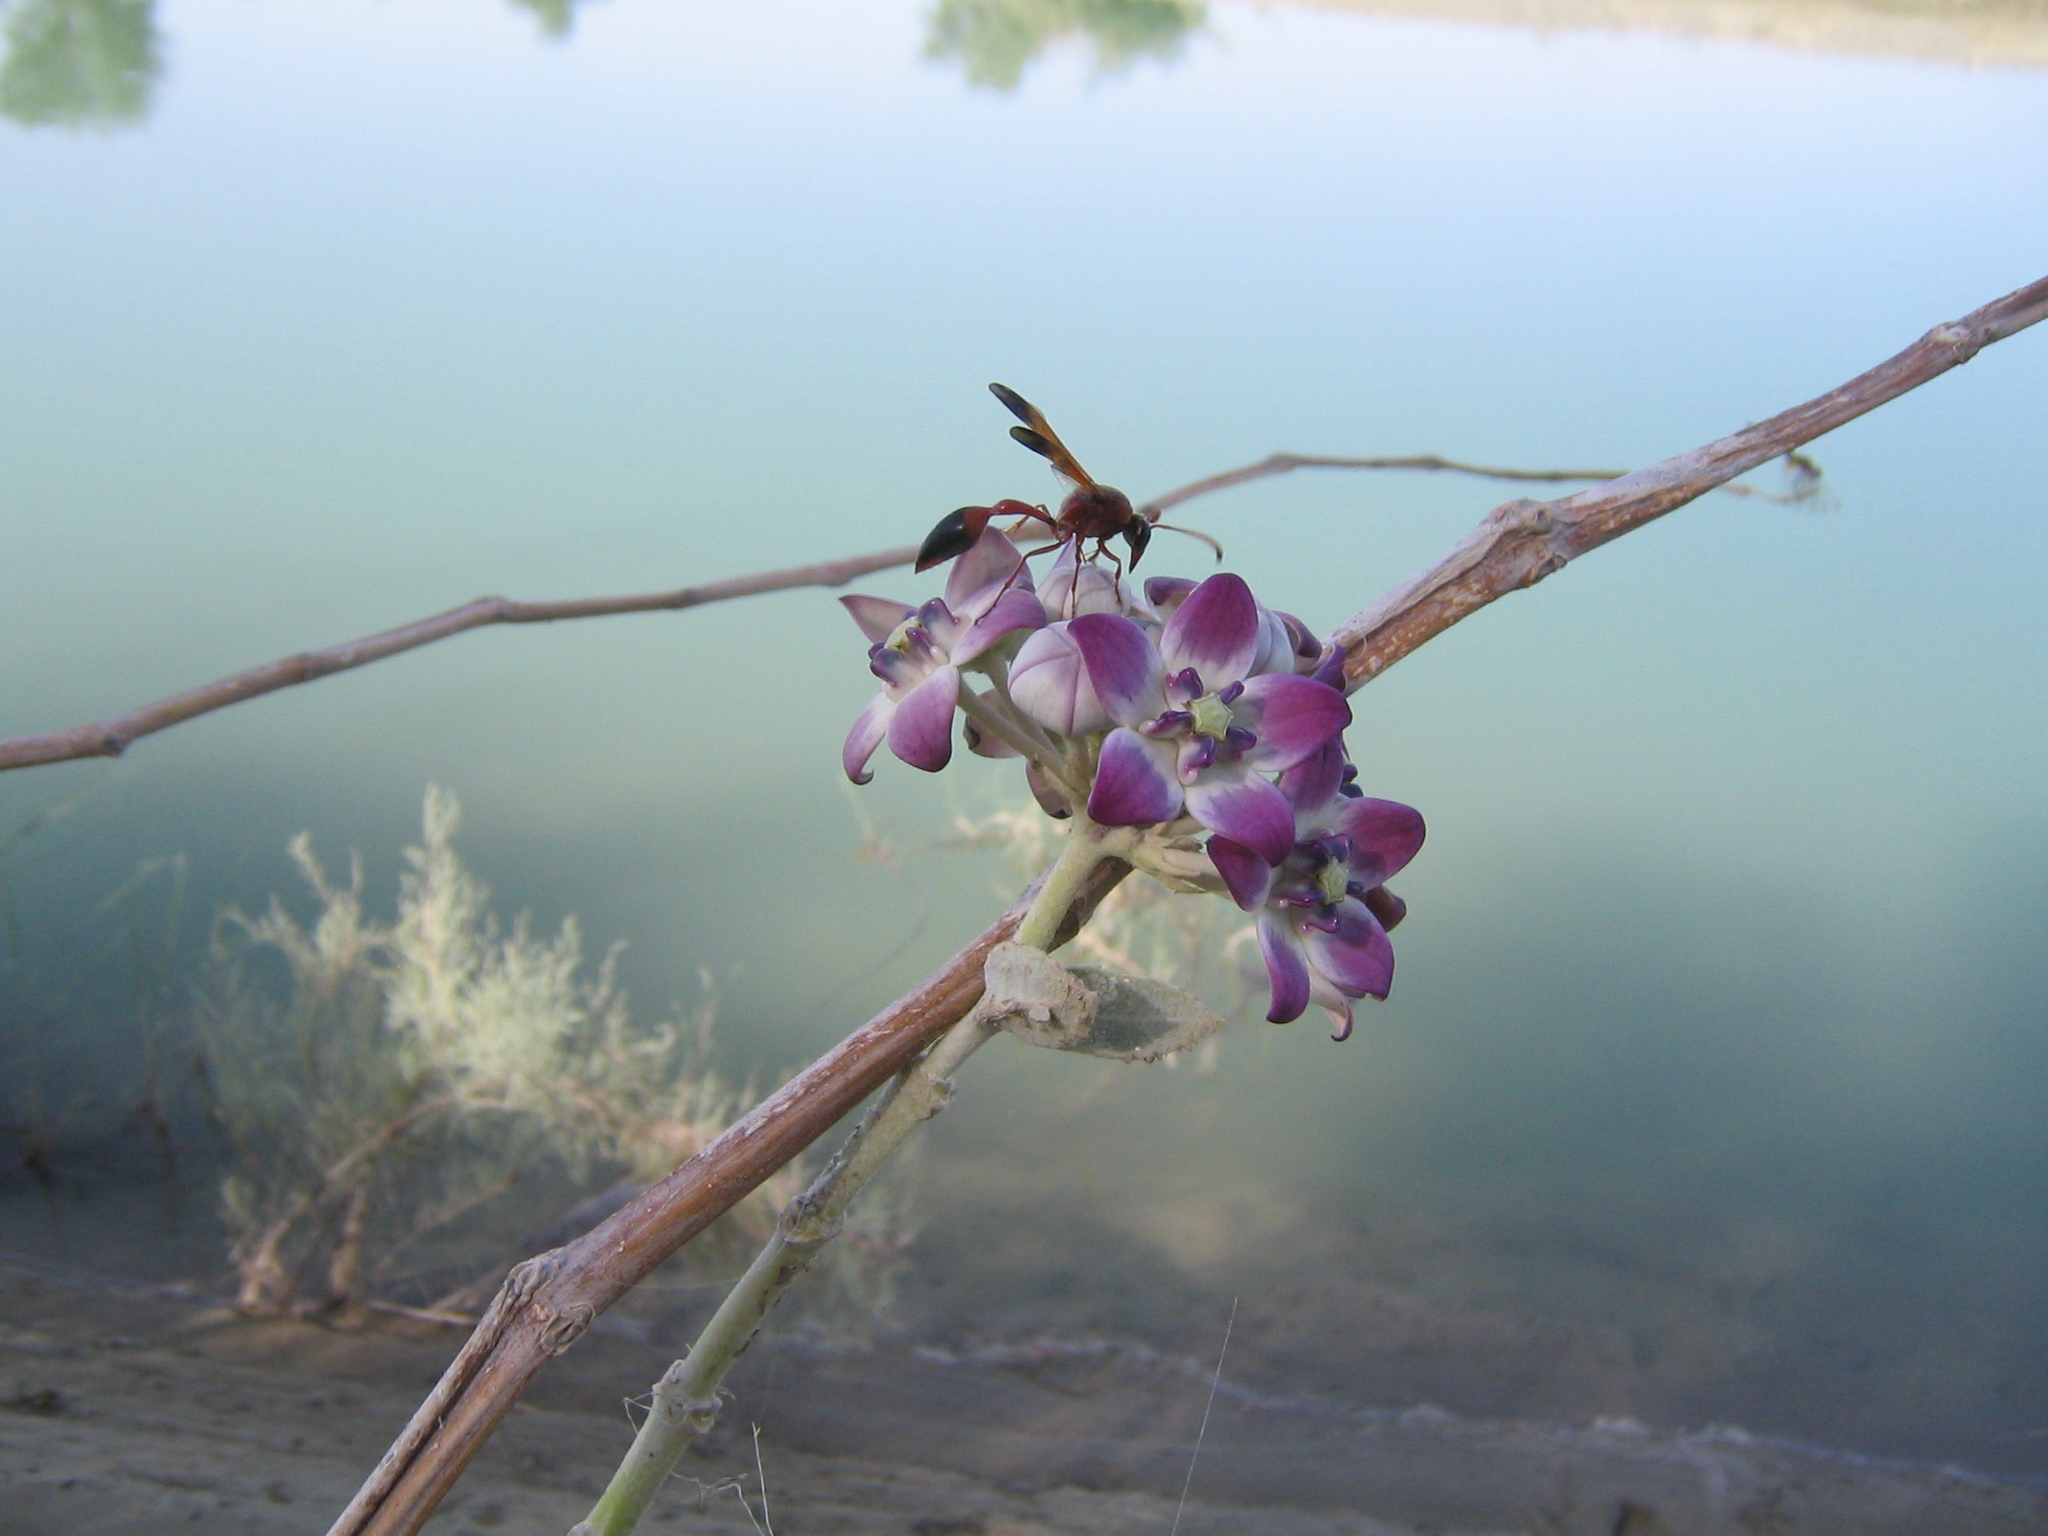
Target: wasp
[(1091, 510)]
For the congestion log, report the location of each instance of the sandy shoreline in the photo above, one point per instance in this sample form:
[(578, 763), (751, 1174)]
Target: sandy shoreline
[(2011, 34), (129, 1409)]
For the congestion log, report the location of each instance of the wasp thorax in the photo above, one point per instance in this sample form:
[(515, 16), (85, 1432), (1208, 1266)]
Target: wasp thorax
[(1096, 511)]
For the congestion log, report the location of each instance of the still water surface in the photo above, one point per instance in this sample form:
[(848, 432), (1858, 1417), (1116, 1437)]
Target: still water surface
[(1716, 1060)]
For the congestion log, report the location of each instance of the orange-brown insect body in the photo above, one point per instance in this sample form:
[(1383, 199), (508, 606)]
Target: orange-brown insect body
[(1090, 510), (1096, 512)]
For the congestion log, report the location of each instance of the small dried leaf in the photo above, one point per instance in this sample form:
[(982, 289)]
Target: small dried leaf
[(1140, 1019), (1088, 1009)]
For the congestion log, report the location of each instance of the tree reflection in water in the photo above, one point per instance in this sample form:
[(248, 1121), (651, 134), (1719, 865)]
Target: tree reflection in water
[(94, 63), (79, 63), (557, 17), (995, 39)]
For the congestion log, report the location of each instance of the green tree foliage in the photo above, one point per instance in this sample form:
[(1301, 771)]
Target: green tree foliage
[(994, 40), (80, 63), (557, 17)]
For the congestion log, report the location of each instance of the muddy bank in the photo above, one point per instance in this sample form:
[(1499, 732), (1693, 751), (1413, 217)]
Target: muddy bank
[(132, 1409)]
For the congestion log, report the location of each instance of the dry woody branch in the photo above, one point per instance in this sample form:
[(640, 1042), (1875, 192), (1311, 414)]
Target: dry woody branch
[(549, 1301), (115, 734)]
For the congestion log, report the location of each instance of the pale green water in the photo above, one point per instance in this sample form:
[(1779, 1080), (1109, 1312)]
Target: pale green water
[(1722, 995)]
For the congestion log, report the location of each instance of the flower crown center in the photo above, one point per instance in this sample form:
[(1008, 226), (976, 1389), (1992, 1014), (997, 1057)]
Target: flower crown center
[(1332, 879), (1212, 717)]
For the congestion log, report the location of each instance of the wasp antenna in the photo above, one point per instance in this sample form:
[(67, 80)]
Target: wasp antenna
[(1176, 528), (1015, 404)]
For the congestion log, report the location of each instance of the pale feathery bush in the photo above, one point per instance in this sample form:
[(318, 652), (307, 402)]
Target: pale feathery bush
[(412, 1074)]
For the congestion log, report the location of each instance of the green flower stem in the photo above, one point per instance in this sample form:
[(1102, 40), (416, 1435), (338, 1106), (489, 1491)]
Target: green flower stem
[(1087, 845), (999, 688), (999, 718), (686, 1399)]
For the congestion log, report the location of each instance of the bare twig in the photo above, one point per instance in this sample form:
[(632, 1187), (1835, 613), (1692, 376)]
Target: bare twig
[(1523, 541), (1806, 483), (1284, 463), (423, 1314), (112, 736), (548, 1302), (115, 734)]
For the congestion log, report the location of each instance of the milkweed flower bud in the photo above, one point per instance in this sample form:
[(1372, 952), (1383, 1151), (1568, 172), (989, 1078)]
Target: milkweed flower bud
[(1049, 682)]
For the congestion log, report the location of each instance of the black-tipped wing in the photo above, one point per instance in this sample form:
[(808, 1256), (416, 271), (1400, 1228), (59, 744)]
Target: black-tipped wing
[(1038, 435)]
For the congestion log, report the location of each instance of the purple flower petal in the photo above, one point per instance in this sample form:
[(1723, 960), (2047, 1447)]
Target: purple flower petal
[(921, 731), (895, 668), (876, 616), (867, 733), (1215, 630), (1332, 1002), (1013, 611), (1049, 682), (1247, 876), (1122, 664), (1134, 782), (983, 744), (978, 575), (1051, 799), (1386, 906), (1312, 784), (1177, 723), (1246, 809), (1307, 648), (1292, 716), (1384, 835), (1359, 957), (1330, 669), (1275, 652), (942, 624), (1285, 968), (1166, 593)]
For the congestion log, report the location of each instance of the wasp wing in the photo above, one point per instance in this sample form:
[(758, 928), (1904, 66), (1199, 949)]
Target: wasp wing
[(1037, 435)]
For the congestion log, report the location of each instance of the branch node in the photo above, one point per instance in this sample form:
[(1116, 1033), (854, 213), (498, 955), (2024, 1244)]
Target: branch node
[(1961, 342), (529, 1275), (807, 1220), (1524, 515), (564, 1328)]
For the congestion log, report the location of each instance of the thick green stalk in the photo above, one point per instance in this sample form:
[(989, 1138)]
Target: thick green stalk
[(994, 715), (686, 1399)]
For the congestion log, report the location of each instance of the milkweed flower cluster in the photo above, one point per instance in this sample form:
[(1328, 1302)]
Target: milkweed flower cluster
[(1192, 711)]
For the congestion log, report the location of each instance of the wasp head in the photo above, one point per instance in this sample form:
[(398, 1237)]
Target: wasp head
[(1137, 534)]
